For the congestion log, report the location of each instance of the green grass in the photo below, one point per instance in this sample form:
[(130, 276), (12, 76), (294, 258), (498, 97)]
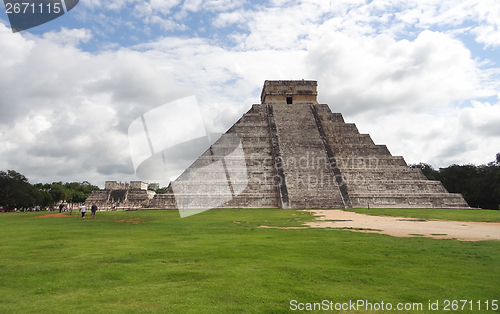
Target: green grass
[(429, 213), (219, 261)]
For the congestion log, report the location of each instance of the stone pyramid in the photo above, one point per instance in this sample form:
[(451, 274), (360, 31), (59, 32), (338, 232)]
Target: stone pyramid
[(291, 152)]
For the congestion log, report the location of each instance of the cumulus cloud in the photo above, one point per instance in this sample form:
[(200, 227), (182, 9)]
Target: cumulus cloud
[(455, 135), (481, 120), (397, 69), (65, 112), (363, 73), (69, 36), (212, 5), (228, 18)]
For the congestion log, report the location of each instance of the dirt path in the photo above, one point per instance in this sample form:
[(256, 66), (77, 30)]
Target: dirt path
[(406, 227)]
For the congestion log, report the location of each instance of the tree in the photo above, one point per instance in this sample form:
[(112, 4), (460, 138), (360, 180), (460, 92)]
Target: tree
[(16, 191), (427, 170), (59, 192), (496, 188), (479, 185), (44, 199), (153, 186), (161, 190), (80, 191)]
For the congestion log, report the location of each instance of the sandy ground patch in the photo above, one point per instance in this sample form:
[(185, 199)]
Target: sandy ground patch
[(406, 227)]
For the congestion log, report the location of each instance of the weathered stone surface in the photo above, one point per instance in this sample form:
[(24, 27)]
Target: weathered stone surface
[(296, 153), (121, 195), (374, 177), (215, 177)]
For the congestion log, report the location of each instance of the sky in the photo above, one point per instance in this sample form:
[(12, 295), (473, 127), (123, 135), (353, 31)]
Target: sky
[(422, 77)]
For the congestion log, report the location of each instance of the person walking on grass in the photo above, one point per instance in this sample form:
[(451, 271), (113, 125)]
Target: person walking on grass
[(83, 210), (93, 209)]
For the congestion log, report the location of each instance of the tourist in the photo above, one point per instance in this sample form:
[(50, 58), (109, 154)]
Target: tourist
[(93, 209), (83, 210)]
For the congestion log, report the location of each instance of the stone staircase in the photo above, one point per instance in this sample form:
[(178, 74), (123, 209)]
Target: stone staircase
[(98, 197), (310, 184)]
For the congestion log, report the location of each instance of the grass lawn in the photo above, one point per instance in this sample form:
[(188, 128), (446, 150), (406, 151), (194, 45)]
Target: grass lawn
[(219, 261)]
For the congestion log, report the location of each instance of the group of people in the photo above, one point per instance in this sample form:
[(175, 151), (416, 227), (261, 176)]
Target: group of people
[(83, 210), (25, 210), (62, 208)]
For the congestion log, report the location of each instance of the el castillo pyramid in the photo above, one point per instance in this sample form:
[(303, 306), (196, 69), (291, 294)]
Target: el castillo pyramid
[(291, 152)]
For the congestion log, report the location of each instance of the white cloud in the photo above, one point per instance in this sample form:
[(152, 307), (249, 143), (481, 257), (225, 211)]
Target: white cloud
[(93, 4), (380, 74), (228, 18), (467, 135), (69, 36), (223, 5), (483, 15), (166, 24), (155, 7), (212, 5), (192, 5), (481, 120), (114, 5), (64, 112), (14, 47)]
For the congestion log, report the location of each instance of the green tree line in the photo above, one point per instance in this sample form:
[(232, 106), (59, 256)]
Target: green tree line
[(17, 192), (479, 185)]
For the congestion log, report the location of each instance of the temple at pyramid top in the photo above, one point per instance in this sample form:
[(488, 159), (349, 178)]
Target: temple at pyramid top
[(289, 91)]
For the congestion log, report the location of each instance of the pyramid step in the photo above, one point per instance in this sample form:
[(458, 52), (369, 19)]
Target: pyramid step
[(362, 139), (345, 161), (407, 186), (338, 128), (361, 150), (405, 200), (396, 173), (218, 200)]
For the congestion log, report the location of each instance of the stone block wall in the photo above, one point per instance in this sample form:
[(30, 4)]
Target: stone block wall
[(299, 91), (138, 185), (121, 195)]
